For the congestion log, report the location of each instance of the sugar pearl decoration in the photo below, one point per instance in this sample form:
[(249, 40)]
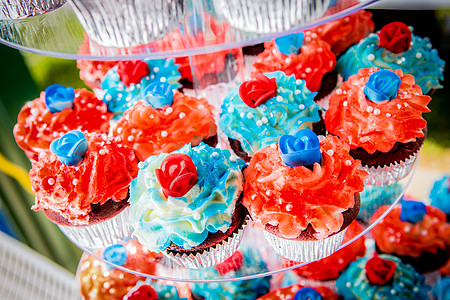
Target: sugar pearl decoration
[(164, 133), (141, 164), (182, 115), (249, 115), (102, 152), (388, 114), (264, 120), (163, 79), (330, 152), (169, 110), (155, 69), (108, 97), (259, 123), (418, 55), (338, 91), (289, 207), (269, 193), (376, 111), (230, 109), (201, 106), (345, 103), (130, 138), (301, 106)]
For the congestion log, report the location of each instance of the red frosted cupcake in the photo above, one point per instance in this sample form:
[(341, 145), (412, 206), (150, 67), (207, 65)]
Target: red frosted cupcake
[(379, 114), (58, 110), (297, 291), (304, 55), (82, 185), (415, 232), (303, 194), (165, 122)]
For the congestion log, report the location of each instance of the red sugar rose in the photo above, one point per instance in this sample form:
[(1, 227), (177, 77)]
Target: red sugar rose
[(379, 271), (395, 37), (177, 175), (257, 90), (232, 263), (132, 71), (143, 292)]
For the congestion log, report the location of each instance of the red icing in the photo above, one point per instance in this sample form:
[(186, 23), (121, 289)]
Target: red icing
[(36, 126), (376, 126), (393, 236), (143, 292), (233, 263), (105, 173), (344, 32), (332, 266), (314, 60), (132, 71), (395, 37), (294, 198), (144, 128), (379, 271), (177, 175), (257, 91), (289, 292)]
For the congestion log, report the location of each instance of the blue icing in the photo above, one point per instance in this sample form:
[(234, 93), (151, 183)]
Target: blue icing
[(187, 220), (115, 254), (118, 97), (301, 149), (243, 289), (440, 194), (70, 148), (421, 61), (441, 289), (293, 107), (375, 196), (158, 94), (406, 283), (290, 44), (382, 85), (58, 97), (412, 211)]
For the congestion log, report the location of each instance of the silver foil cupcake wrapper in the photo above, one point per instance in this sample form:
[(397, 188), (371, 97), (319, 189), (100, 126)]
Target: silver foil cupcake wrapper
[(390, 174), (305, 251), (212, 256), (20, 9), (100, 235), (126, 23), (268, 16)]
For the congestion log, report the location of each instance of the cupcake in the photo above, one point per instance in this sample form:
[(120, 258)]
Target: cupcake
[(342, 33), (82, 183), (255, 114), (185, 204), (373, 197), (299, 292), (304, 55), (329, 268), (58, 110), (303, 194), (416, 233), (243, 262), (395, 47), (165, 121), (379, 114), (381, 277), (21, 9), (127, 82), (440, 195), (100, 281)]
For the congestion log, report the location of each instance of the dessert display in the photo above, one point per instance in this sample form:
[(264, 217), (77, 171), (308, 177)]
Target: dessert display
[(297, 291), (186, 205), (416, 233), (379, 114), (58, 110), (381, 277), (440, 195), (303, 193), (82, 185), (395, 47), (255, 114)]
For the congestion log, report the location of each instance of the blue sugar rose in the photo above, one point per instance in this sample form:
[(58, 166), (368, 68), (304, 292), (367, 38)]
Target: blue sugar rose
[(290, 44), (158, 94), (59, 97), (115, 254), (382, 85), (70, 148), (307, 293), (301, 149), (412, 211)]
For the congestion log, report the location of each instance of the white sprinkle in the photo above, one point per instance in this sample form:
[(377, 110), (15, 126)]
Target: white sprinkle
[(301, 106), (274, 51), (392, 239), (253, 197), (155, 69), (132, 87), (348, 284), (259, 123), (418, 55), (393, 292), (376, 112), (279, 98), (269, 193), (51, 181), (182, 115), (429, 45), (147, 77), (94, 277), (298, 81), (106, 285), (196, 216), (405, 104), (407, 229), (163, 79), (264, 120), (75, 181), (348, 162), (169, 110), (119, 95), (118, 139), (289, 207), (307, 39), (102, 152), (345, 103), (201, 106), (152, 116), (401, 284), (288, 60), (138, 85), (399, 106), (230, 109), (108, 97), (370, 57), (424, 232), (399, 61), (130, 138), (388, 114), (415, 289), (344, 92), (133, 250), (121, 276), (308, 70), (164, 133), (330, 152), (338, 91), (242, 115), (249, 115), (314, 35)]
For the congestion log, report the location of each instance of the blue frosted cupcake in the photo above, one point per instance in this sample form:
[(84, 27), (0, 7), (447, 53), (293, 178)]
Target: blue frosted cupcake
[(185, 204), (373, 197), (440, 195), (381, 277), (259, 111), (126, 83), (242, 263), (395, 47)]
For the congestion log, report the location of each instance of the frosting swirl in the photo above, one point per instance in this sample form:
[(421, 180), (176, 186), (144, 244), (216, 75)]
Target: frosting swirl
[(185, 221), (402, 238), (105, 173), (405, 284), (376, 126), (119, 95), (440, 194), (272, 190), (311, 64), (421, 61), (151, 131), (258, 127), (36, 126)]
